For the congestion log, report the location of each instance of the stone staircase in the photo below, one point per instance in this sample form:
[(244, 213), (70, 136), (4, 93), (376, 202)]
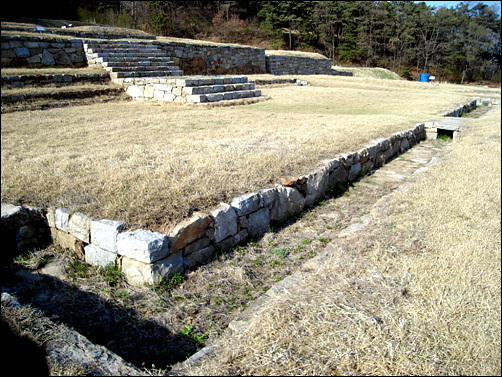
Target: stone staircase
[(193, 89), (145, 72), (125, 59)]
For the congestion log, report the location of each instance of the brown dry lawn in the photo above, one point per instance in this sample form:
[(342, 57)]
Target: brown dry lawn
[(151, 163), (415, 293)]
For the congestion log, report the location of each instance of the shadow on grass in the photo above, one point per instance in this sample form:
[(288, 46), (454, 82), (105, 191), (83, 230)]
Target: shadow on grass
[(144, 343)]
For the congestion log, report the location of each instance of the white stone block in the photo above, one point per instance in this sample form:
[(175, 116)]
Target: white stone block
[(138, 273), (62, 217), (99, 257), (134, 91), (104, 233), (143, 245), (79, 226), (247, 203)]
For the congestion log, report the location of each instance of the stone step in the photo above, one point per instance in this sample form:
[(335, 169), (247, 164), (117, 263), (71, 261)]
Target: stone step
[(142, 68), (123, 55), (115, 45), (208, 80), (121, 75), (210, 89), (165, 64), (133, 59), (223, 96)]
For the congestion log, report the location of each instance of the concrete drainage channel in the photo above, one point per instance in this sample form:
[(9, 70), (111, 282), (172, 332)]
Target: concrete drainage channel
[(423, 155)]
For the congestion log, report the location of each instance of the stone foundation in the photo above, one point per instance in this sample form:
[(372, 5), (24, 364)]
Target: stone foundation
[(38, 52), (147, 257), (195, 89)]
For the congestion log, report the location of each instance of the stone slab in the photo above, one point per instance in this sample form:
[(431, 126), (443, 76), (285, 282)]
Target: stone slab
[(99, 257), (138, 273), (143, 245), (104, 233)]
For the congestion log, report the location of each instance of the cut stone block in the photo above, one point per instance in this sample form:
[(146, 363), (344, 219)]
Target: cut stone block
[(189, 230), (289, 201), (317, 183), (143, 245), (104, 233), (199, 257), (62, 217), (67, 241), (225, 222), (247, 203), (139, 273), (80, 226), (99, 257), (354, 171), (258, 223), (14, 216)]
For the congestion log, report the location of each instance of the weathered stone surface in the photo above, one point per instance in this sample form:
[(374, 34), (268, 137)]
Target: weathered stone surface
[(134, 91), (195, 246), (199, 257), (258, 223), (288, 181), (337, 177), (99, 257), (47, 58), (405, 145), (380, 159), (138, 273), (372, 150), (350, 158), (228, 243), (189, 230), (331, 164), (354, 171), (25, 232), (22, 52), (143, 245), (247, 203), (68, 348), (62, 58), (62, 217), (79, 226), (225, 222), (367, 167), (13, 216), (288, 201), (67, 241), (104, 233), (317, 182), (269, 196), (364, 155)]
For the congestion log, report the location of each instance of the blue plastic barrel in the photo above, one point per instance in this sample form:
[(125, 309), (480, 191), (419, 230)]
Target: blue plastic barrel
[(423, 77)]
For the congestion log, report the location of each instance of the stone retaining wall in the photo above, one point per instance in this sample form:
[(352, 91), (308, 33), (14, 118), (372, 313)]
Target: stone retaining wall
[(148, 257), (297, 65), (20, 81), (38, 52), (193, 59), (202, 59)]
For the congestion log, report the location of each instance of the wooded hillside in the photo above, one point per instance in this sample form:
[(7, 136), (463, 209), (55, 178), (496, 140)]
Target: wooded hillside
[(459, 45)]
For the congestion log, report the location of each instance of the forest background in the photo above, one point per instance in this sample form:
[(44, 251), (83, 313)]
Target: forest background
[(460, 44)]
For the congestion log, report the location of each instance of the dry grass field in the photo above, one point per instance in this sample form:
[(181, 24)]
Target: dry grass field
[(151, 164), (417, 293)]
